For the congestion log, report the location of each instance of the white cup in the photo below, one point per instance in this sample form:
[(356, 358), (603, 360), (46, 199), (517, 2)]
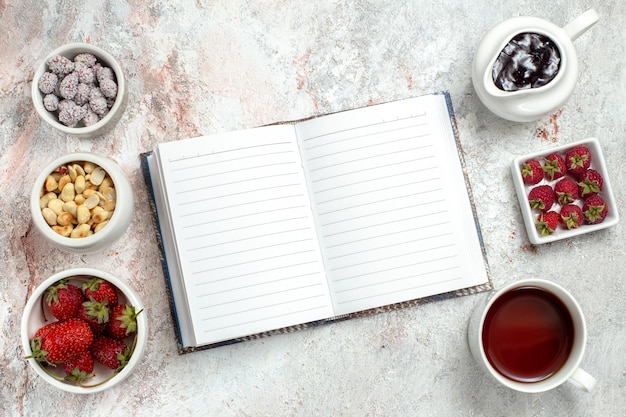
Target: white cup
[(569, 371), (527, 105)]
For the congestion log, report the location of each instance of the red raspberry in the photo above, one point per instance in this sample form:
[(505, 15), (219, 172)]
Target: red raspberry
[(594, 209), (532, 172), (566, 190), (554, 167), (590, 182), (541, 198), (547, 222), (577, 159), (571, 216)]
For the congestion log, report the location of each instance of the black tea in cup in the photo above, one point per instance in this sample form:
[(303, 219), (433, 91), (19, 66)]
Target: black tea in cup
[(528, 334)]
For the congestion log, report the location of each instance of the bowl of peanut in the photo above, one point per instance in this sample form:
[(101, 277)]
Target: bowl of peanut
[(82, 202), (80, 89)]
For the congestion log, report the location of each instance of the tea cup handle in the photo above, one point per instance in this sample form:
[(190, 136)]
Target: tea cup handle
[(580, 24), (583, 380)]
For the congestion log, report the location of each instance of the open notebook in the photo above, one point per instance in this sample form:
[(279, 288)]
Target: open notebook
[(281, 227)]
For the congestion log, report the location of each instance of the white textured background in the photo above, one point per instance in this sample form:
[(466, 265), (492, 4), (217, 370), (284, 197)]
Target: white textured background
[(199, 67)]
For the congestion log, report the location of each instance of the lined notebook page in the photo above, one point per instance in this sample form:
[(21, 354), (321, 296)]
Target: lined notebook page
[(242, 218), (393, 215)]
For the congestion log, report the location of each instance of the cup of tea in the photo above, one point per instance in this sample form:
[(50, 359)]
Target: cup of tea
[(530, 336)]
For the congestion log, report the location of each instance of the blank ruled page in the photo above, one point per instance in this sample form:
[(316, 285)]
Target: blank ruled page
[(392, 210), (247, 246)]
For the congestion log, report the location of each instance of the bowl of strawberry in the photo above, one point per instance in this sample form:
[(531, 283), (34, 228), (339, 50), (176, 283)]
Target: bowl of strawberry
[(564, 192), (84, 330)]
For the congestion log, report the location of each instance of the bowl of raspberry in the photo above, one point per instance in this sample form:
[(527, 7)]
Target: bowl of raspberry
[(80, 90), (84, 330), (564, 191)]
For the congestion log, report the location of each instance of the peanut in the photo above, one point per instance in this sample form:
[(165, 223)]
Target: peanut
[(49, 216), (98, 214), (92, 201), (63, 230), (107, 182), (56, 205), (71, 171), (79, 199), (70, 207), (88, 167), (82, 230), (51, 184), (65, 219), (97, 176), (46, 198), (63, 181), (82, 214), (100, 226), (79, 169), (79, 184), (68, 192)]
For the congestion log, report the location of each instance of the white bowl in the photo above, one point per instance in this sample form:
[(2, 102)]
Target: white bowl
[(33, 319), (597, 163), (110, 119), (118, 223)]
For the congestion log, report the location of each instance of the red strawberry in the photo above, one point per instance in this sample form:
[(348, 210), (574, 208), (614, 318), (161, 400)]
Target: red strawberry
[(594, 209), (532, 172), (45, 329), (577, 159), (571, 216), (554, 167), (590, 182), (547, 222), (100, 290), (111, 353), (79, 368), (63, 299), (123, 321), (541, 197), (62, 342), (566, 190), (96, 314)]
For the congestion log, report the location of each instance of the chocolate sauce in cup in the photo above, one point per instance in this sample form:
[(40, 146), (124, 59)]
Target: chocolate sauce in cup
[(529, 60)]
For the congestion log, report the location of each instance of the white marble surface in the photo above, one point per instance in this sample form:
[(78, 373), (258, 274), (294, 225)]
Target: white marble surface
[(199, 67)]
